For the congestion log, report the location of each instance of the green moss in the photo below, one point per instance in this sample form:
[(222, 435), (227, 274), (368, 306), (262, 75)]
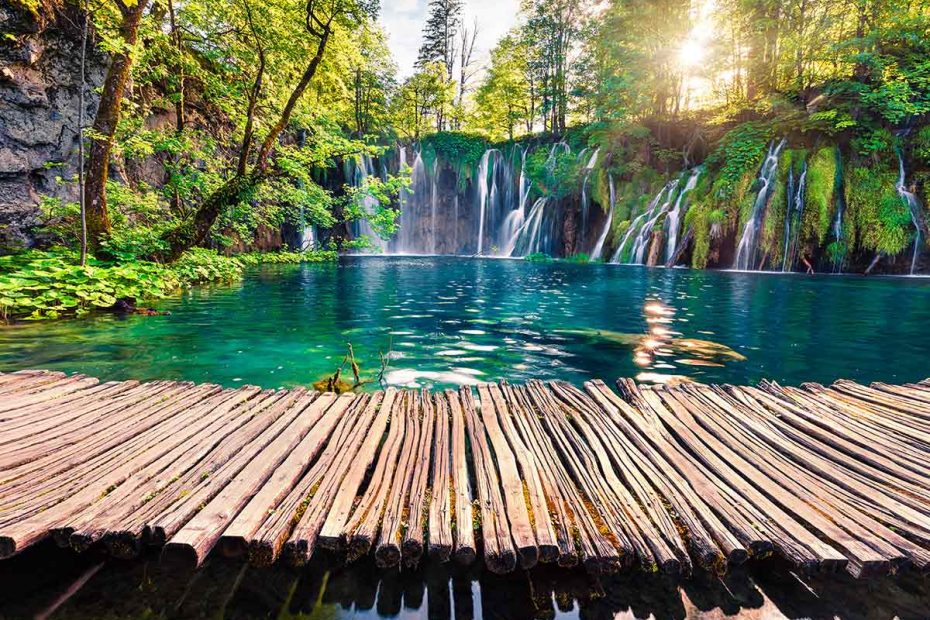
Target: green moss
[(820, 207), (881, 218)]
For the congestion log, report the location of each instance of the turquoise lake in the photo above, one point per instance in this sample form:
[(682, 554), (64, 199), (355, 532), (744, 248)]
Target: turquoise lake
[(446, 321)]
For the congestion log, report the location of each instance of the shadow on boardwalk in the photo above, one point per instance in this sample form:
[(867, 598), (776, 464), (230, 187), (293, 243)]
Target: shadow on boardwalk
[(46, 580)]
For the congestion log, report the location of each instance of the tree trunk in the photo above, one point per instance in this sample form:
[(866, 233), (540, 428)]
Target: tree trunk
[(105, 123)]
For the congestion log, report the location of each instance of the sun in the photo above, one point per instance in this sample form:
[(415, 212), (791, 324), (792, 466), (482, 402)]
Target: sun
[(692, 53)]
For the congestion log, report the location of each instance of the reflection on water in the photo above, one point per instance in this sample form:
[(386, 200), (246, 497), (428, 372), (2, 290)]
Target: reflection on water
[(443, 321), (50, 582)]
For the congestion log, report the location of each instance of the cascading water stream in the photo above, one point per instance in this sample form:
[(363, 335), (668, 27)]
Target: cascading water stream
[(673, 221), (645, 231), (484, 195), (638, 220), (585, 199), (914, 207), (748, 243), (794, 217), (599, 246)]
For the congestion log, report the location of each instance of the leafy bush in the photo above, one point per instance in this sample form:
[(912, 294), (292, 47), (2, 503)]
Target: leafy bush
[(880, 214), (39, 285), (199, 266), (49, 285), (821, 183), (581, 259), (307, 256), (739, 153), (537, 257)]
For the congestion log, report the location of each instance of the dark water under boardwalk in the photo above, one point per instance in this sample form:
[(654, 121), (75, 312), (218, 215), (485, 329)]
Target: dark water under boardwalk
[(95, 586)]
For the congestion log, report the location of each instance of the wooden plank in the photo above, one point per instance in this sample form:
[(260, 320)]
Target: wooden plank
[(197, 537), (729, 422), (627, 479), (14, 536), (622, 521), (17, 404), (396, 519), (214, 421), (361, 530), (515, 504), (186, 479), (795, 542), (126, 445), (500, 554), (578, 533), (300, 544), (708, 540), (862, 540), (462, 494), (245, 529), (418, 506), (441, 490), (527, 463)]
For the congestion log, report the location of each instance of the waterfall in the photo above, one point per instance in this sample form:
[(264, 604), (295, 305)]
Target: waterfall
[(405, 242), (673, 221), (794, 217), (637, 222), (484, 195), (307, 232), (914, 206), (357, 172), (599, 246), (530, 238), (585, 199), (638, 253), (433, 203), (748, 243)]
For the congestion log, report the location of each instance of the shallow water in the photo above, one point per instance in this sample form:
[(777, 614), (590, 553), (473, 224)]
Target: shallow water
[(49, 582), (445, 321)]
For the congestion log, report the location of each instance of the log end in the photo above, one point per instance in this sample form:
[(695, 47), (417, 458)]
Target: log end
[(82, 541), (387, 555), (529, 556), (440, 552), (233, 546), (501, 563), (761, 549), (464, 555), (548, 553), (412, 552), (568, 559), (736, 557), (123, 545), (262, 553), (297, 552), (330, 542), (181, 555), (358, 547), (7, 547), (62, 537)]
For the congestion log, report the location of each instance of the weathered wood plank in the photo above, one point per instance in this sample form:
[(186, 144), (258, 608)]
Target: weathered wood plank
[(462, 494), (441, 514)]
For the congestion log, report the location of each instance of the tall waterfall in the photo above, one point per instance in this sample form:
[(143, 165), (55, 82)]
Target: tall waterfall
[(794, 217), (585, 198), (599, 246), (914, 206), (749, 241), (673, 221), (406, 239)]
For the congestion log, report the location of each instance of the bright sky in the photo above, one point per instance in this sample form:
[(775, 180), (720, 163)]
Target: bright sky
[(403, 21)]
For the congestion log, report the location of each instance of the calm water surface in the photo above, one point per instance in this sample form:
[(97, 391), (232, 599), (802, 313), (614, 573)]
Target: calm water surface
[(452, 321), (46, 582)]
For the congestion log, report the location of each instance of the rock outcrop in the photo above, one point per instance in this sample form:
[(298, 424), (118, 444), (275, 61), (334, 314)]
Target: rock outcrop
[(40, 78)]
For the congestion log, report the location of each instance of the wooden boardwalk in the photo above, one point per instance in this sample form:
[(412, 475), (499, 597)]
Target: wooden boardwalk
[(666, 479)]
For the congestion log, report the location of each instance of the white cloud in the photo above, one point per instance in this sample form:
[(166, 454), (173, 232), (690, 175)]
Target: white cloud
[(403, 21)]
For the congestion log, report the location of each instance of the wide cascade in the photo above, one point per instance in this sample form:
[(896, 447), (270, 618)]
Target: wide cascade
[(748, 246)]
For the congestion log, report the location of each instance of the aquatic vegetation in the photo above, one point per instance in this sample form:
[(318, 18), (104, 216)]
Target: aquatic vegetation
[(537, 257), (38, 285)]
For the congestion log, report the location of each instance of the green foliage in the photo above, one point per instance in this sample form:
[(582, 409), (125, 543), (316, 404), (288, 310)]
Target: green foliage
[(881, 217), (38, 285), (283, 257), (538, 257), (462, 151), (820, 207), (200, 266), (579, 259), (737, 156), (554, 171)]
